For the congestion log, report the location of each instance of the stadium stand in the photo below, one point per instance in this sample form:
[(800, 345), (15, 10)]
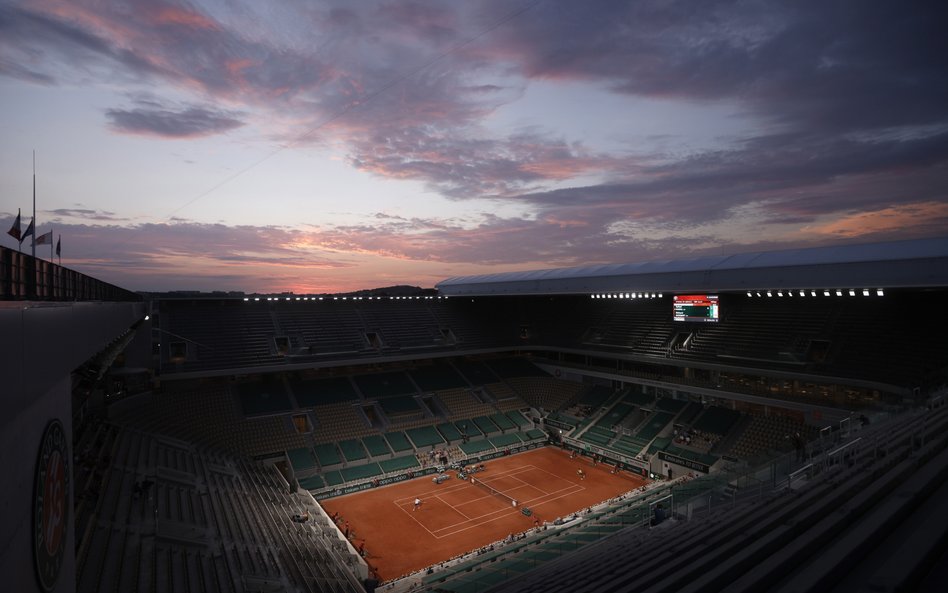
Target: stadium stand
[(804, 456), (376, 446), (312, 392), (164, 520), (425, 436), (398, 441)]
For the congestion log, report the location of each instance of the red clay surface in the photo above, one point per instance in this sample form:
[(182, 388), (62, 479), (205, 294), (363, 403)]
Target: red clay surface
[(456, 516)]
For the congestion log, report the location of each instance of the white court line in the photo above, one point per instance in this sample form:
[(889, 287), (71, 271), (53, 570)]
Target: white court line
[(462, 484), (532, 503), (405, 510), (505, 512), (448, 504), (449, 534)]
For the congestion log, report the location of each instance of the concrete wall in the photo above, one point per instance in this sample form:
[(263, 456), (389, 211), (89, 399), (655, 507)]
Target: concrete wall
[(19, 448), (40, 345)]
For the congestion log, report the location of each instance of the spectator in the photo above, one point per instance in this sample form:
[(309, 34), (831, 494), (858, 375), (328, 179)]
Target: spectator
[(659, 514)]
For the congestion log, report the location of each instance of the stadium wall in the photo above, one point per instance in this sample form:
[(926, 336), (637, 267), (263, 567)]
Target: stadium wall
[(20, 443), (42, 343)]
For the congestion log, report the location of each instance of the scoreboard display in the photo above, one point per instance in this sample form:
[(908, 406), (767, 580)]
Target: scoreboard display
[(699, 308)]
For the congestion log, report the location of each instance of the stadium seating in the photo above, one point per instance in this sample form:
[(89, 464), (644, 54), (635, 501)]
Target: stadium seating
[(311, 392), (399, 463), (165, 521), (327, 454), (376, 446), (398, 441), (425, 436), (449, 431)]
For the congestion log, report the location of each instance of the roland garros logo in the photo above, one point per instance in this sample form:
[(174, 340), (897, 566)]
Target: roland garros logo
[(51, 505)]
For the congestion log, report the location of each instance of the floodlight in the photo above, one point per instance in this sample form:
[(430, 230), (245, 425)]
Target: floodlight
[(246, 298), (839, 293), (779, 293), (880, 292), (852, 292), (256, 298), (769, 294), (803, 293), (748, 293), (758, 293), (147, 317), (813, 293)]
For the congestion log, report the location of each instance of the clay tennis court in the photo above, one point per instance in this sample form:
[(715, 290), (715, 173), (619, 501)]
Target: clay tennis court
[(456, 516)]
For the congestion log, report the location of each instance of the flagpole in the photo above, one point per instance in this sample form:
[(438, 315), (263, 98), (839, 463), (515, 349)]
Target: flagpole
[(34, 204), (51, 245), (19, 242)]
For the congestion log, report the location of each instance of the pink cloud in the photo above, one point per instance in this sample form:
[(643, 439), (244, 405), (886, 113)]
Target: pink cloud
[(913, 219)]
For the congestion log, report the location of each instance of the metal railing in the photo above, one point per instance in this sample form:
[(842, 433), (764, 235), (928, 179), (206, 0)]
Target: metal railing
[(26, 278)]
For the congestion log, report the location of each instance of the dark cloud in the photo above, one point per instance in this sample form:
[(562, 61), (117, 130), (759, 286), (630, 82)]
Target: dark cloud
[(31, 38), (794, 178), (170, 40), (86, 213), (844, 64), (474, 167), (421, 20), (190, 122), (23, 72)]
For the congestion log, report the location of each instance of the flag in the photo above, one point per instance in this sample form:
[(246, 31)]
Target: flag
[(45, 239), (59, 244), (27, 232), (15, 229)]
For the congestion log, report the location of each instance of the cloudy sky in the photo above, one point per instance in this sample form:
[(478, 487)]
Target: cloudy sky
[(334, 145)]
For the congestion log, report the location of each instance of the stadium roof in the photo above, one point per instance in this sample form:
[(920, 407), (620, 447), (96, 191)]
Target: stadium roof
[(917, 263)]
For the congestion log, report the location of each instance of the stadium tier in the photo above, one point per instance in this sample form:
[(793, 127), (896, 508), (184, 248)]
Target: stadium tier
[(855, 338)]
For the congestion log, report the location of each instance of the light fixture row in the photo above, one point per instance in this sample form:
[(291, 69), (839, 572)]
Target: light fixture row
[(627, 295), (812, 293)]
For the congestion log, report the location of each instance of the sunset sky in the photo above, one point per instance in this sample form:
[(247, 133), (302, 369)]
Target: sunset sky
[(322, 146)]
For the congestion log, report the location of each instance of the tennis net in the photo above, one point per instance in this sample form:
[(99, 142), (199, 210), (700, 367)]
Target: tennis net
[(512, 502)]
